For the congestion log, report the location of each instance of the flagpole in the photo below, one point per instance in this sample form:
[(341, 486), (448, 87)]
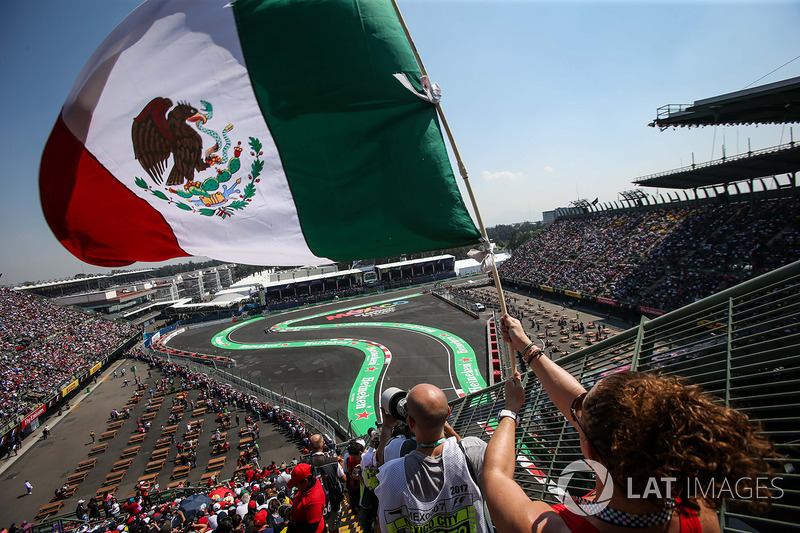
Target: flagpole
[(462, 169)]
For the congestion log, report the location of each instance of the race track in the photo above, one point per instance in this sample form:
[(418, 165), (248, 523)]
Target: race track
[(340, 356)]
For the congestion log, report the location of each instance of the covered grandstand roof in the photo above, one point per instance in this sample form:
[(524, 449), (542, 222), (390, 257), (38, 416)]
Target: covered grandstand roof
[(784, 159), (263, 279), (221, 301), (774, 103)]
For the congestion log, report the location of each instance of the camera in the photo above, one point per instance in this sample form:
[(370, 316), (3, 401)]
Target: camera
[(393, 400)]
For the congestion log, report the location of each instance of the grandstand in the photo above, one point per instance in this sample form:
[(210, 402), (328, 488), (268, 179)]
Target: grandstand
[(48, 351), (659, 258), (741, 220)]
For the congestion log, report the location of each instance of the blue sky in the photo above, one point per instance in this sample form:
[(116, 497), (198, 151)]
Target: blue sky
[(548, 101)]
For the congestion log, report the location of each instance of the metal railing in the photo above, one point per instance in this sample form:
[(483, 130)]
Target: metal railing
[(742, 345), (332, 426)]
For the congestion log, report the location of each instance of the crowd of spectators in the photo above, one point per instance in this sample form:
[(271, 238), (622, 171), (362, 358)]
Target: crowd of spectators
[(220, 396), (44, 346), (663, 258)]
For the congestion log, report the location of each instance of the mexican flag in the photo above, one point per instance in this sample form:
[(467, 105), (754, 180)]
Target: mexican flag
[(268, 132)]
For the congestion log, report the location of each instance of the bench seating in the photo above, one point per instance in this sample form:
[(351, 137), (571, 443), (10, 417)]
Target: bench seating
[(86, 465), (209, 475), (181, 471), (216, 464), (154, 466), (130, 452), (115, 425), (77, 478), (102, 491), (216, 449), (108, 435), (122, 465), (149, 479), (159, 454), (135, 439), (114, 478), (148, 417), (169, 430), (49, 510), (100, 448), (67, 494)]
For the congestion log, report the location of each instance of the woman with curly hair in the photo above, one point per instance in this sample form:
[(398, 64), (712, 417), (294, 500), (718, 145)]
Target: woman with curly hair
[(671, 451)]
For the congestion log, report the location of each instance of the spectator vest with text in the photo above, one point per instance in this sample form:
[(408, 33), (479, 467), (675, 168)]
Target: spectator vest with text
[(458, 508)]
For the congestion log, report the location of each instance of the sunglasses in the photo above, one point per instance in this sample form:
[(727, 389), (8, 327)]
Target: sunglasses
[(576, 410)]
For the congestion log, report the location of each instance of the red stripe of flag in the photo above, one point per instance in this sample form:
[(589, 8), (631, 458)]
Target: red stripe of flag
[(77, 193)]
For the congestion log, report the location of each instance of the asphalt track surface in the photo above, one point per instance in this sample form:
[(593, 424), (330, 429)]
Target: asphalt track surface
[(325, 376)]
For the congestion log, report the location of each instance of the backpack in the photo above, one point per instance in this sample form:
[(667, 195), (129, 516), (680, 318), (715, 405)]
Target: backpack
[(325, 469)]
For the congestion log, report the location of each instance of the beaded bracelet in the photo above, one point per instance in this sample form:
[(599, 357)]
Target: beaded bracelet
[(538, 351)]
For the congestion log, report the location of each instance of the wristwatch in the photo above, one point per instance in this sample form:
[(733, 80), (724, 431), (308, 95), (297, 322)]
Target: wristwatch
[(509, 414)]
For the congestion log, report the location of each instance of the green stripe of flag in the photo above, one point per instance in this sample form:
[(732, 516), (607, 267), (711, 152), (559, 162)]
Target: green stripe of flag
[(365, 158)]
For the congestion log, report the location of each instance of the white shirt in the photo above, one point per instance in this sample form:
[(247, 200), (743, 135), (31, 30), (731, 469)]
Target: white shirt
[(282, 480)]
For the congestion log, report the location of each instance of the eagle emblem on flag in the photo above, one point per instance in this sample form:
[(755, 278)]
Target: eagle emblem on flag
[(199, 181)]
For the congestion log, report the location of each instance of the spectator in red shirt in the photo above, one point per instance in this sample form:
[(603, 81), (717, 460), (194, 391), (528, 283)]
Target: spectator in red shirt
[(354, 478), (308, 503)]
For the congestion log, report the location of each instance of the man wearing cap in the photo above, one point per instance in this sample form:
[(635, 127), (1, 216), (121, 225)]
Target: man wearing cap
[(307, 503), (332, 476), (437, 482), (80, 511)]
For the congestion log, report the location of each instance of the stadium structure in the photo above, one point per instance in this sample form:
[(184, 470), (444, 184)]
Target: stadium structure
[(738, 337)]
